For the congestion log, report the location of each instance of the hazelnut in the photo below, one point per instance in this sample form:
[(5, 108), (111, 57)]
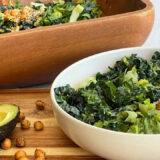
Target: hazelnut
[(6, 144), (19, 154), (40, 105), (21, 117), (38, 126), (39, 153), (23, 158), (20, 141), (25, 124)]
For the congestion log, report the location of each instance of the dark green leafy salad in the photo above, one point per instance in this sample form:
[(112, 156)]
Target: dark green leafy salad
[(16, 17), (125, 99)]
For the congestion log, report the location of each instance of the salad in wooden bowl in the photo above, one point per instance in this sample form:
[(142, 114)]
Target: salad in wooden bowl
[(45, 37), (15, 16)]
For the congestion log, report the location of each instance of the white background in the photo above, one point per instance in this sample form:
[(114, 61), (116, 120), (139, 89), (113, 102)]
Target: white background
[(153, 39)]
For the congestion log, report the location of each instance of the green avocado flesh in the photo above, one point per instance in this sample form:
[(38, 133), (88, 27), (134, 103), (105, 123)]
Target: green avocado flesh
[(9, 114)]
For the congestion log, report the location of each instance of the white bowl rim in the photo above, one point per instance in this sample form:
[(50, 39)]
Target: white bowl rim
[(52, 94)]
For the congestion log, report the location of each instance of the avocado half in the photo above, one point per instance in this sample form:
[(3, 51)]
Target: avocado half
[(9, 115)]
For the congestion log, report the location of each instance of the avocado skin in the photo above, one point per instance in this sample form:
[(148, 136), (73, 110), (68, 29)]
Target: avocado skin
[(6, 130)]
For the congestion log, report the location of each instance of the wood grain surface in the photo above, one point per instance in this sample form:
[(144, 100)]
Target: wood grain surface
[(52, 139)]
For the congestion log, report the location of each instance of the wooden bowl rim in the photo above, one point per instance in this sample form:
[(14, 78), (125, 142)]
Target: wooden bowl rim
[(149, 8)]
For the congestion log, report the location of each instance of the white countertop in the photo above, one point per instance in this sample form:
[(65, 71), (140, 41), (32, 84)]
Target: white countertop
[(153, 39)]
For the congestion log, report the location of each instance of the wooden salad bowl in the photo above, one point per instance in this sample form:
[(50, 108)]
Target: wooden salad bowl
[(36, 56)]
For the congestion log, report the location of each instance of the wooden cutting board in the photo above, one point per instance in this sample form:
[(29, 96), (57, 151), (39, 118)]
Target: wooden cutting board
[(52, 139)]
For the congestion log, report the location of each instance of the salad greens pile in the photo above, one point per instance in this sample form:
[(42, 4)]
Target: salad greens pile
[(125, 99), (15, 17), (69, 11)]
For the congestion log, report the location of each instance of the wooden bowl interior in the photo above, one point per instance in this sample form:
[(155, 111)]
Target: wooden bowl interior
[(113, 7), (110, 7)]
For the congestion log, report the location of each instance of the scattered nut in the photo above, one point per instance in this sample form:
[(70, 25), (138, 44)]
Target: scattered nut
[(6, 144), (38, 126), (39, 153), (40, 105), (23, 158), (21, 117), (19, 154), (25, 124), (20, 141)]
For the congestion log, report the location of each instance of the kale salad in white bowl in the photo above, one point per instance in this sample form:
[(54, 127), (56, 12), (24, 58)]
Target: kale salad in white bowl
[(109, 103)]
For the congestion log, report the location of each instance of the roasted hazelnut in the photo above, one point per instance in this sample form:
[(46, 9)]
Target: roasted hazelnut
[(19, 154), (21, 117), (25, 124), (23, 158), (20, 141), (38, 126), (39, 153), (40, 105), (6, 144)]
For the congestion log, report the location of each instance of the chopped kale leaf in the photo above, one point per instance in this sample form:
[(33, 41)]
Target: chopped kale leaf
[(123, 99)]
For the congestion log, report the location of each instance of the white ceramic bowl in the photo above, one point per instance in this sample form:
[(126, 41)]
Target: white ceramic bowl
[(105, 143)]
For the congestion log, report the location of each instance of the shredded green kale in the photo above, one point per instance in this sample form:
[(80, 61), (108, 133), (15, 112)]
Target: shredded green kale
[(16, 17), (125, 99)]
